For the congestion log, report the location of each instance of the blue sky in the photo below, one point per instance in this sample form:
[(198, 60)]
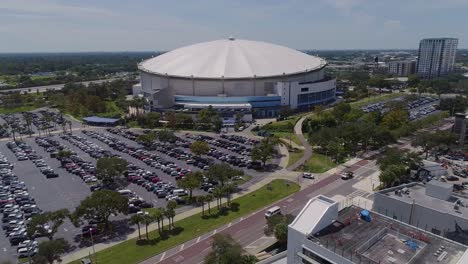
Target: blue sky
[(149, 25)]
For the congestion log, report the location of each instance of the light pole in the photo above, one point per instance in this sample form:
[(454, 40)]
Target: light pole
[(92, 242)]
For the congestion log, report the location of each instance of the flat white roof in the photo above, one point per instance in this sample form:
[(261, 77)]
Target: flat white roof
[(231, 59), (311, 214)]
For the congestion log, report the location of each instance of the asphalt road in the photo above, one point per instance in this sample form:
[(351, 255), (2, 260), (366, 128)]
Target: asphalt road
[(50, 87), (249, 229)]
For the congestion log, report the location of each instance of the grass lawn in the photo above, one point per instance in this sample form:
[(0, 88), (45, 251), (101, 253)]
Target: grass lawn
[(132, 252), (375, 99), (286, 136), (18, 109), (318, 163), (295, 156)]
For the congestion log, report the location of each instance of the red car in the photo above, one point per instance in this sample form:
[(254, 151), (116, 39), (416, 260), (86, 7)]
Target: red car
[(155, 179)]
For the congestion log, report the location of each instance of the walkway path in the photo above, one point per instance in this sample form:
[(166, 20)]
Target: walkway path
[(307, 147)]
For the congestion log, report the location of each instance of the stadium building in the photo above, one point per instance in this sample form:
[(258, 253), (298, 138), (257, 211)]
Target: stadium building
[(232, 75)]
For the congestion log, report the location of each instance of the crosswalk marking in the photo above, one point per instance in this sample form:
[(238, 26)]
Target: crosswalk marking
[(358, 193)]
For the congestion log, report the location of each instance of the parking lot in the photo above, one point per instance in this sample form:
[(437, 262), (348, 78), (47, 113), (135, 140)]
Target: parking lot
[(56, 183), (418, 108)]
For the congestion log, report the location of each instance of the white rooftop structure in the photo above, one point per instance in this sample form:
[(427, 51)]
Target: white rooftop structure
[(312, 215), (230, 59)]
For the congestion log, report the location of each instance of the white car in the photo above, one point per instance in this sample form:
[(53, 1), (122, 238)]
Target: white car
[(27, 243), (308, 175), (27, 252)]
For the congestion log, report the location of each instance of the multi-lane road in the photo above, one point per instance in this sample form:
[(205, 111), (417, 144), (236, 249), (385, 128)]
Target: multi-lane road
[(249, 229), (44, 88)]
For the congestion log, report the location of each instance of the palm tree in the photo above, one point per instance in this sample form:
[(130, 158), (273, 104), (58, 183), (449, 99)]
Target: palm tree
[(209, 199), (136, 219), (201, 199), (158, 214), (169, 214), (218, 193), (147, 220), (229, 189), (28, 120)]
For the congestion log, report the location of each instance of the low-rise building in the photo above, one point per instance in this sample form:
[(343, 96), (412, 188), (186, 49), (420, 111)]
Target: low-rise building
[(432, 207), (321, 233)]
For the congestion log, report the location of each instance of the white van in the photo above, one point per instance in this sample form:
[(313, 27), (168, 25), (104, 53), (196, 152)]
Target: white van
[(179, 192), (125, 192), (273, 211)]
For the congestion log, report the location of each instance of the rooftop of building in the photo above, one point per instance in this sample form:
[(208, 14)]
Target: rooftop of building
[(416, 193), (384, 240)]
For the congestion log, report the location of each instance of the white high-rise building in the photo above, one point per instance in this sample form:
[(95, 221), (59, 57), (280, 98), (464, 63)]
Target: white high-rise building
[(436, 56)]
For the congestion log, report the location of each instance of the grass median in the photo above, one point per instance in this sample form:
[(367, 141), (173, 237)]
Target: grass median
[(318, 163), (132, 251), (294, 156)]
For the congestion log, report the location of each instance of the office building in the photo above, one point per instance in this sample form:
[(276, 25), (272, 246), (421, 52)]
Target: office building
[(436, 56), (321, 233), (432, 206), (235, 75), (401, 68)]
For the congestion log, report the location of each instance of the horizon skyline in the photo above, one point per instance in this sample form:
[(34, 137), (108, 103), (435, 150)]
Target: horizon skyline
[(65, 26)]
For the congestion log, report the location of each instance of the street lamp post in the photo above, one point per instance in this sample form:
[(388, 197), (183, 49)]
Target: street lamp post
[(92, 242)]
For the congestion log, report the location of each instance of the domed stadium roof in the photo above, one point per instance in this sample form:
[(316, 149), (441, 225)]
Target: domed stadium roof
[(231, 59)]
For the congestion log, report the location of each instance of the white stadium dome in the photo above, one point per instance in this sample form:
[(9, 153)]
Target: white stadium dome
[(231, 59), (254, 77)]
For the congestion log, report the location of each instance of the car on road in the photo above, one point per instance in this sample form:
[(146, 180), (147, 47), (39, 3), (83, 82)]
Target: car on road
[(308, 175), (347, 175)]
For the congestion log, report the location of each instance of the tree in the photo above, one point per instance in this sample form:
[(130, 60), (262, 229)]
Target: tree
[(108, 169), (158, 215), (201, 200), (146, 139), (395, 119), (222, 172), (55, 219), (191, 181), (281, 233), (228, 190), (166, 136), (264, 151), (147, 219), (208, 199), (101, 205), (434, 141), (226, 251), (170, 212), (64, 154), (340, 110), (218, 193), (392, 174), (137, 219), (285, 112), (199, 148), (50, 251)]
